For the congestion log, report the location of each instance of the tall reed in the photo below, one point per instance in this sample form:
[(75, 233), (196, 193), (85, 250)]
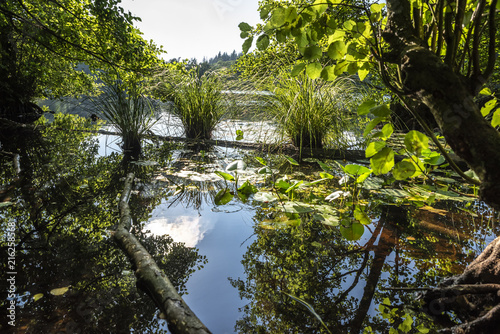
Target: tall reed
[(130, 112), (308, 111), (198, 101)]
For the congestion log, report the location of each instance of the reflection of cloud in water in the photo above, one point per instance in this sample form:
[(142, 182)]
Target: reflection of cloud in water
[(187, 229)]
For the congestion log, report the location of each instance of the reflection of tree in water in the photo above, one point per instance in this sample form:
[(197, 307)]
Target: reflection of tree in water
[(64, 208), (341, 280)]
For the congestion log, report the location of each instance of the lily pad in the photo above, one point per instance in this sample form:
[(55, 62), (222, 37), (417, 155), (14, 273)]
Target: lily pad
[(264, 196), (223, 197)]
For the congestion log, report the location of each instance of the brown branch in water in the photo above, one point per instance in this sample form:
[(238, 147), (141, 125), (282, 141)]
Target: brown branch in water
[(150, 278)]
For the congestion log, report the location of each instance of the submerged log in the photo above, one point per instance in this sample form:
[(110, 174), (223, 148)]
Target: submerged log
[(150, 278)]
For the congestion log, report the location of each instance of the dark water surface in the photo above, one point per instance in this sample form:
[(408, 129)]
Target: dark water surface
[(239, 270)]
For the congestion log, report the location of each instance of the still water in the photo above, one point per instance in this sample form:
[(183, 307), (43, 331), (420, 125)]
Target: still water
[(242, 266)]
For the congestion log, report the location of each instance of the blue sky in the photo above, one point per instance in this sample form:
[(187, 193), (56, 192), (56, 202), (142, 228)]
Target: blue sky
[(193, 28)]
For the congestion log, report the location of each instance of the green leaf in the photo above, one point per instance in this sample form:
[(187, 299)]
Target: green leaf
[(259, 159), (263, 42), (282, 184), (362, 73), (381, 110), (495, 121), (236, 165), (223, 197), (374, 147), (265, 197), (341, 67), (312, 53), (320, 6), (247, 188), (245, 26), (247, 44), (405, 326), (373, 183), (419, 166), (403, 170), (373, 123), (387, 131), (297, 69), (364, 108), (291, 160), (324, 175), (264, 12), (59, 291), (278, 17), (265, 170), (485, 91), (239, 134), (325, 167), (363, 176), (294, 186), (296, 207), (353, 232), (432, 158), (6, 203), (326, 219), (301, 39), (355, 170), (337, 50), (313, 70), (225, 176), (416, 141), (37, 296), (349, 25), (376, 8), (328, 73), (383, 161), (361, 216), (488, 107)]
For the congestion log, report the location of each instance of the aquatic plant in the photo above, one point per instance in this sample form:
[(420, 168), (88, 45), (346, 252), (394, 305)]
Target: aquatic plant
[(197, 100), (131, 112), (308, 111)]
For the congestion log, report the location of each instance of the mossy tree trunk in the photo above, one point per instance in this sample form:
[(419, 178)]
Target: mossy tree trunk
[(428, 80)]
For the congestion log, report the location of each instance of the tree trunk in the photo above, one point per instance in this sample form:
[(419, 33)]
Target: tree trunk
[(428, 80), (151, 279)]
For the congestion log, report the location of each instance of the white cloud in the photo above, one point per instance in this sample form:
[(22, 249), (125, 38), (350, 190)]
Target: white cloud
[(187, 229)]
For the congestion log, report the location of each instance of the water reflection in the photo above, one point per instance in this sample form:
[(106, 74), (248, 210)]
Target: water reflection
[(345, 282), (62, 198)]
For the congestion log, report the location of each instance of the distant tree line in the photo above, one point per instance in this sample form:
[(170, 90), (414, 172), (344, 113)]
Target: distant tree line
[(222, 59)]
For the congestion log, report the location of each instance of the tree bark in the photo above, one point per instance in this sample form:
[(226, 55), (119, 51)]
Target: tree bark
[(150, 278), (428, 80)]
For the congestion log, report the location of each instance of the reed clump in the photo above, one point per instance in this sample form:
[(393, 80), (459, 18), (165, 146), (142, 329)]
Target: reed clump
[(198, 101), (131, 112), (310, 111)]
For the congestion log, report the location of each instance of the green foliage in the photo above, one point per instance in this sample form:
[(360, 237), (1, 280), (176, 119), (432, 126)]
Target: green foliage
[(49, 48), (309, 110), (198, 101), (132, 113)]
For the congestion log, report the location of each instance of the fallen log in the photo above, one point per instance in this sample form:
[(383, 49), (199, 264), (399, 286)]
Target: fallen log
[(150, 278)]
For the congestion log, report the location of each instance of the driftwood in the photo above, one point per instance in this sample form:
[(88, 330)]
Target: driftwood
[(150, 278)]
